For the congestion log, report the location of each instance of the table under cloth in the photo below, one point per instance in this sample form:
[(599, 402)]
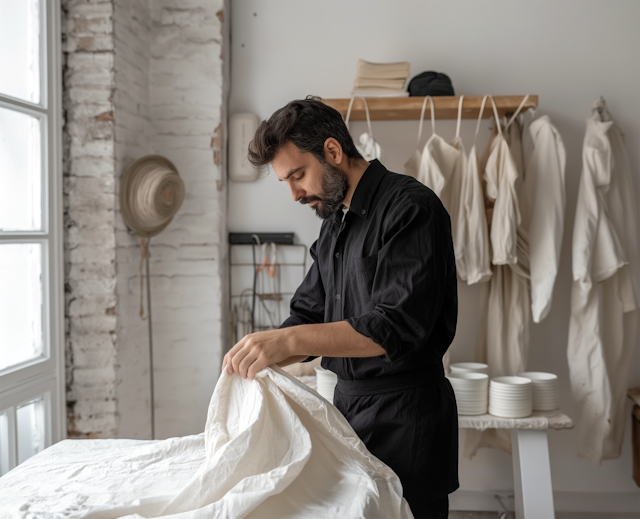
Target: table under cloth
[(272, 448)]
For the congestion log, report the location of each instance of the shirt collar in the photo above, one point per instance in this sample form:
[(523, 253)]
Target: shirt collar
[(361, 200)]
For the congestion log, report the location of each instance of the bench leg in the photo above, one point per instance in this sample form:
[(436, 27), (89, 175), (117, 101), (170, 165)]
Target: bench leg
[(532, 474)]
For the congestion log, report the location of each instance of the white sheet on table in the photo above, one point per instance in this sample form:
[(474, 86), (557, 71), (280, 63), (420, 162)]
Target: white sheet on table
[(271, 448)]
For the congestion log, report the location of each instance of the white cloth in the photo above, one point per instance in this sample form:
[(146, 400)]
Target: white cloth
[(508, 307), (272, 448), (542, 205), (472, 247), (603, 324), (500, 175), (412, 166), (368, 148), (441, 168), (504, 345)]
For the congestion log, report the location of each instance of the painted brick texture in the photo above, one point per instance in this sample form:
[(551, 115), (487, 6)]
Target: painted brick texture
[(89, 204)]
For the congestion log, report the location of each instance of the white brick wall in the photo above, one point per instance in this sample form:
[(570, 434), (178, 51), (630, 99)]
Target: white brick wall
[(133, 120), (188, 258), (89, 196), (143, 76)]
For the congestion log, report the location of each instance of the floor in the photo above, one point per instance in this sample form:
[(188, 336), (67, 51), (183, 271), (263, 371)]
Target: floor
[(559, 515)]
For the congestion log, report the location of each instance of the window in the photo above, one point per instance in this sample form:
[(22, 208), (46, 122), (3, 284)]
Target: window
[(31, 270)]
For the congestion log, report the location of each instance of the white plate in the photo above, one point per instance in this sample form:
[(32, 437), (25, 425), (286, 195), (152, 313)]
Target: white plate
[(468, 377), (539, 376), (473, 413), (511, 381), (502, 414), (474, 367)]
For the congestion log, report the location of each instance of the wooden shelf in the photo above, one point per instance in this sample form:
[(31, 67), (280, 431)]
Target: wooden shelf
[(407, 108)]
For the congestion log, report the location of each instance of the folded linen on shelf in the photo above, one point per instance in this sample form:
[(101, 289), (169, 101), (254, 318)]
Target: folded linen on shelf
[(374, 92), (366, 69), (390, 84), (386, 78), (272, 447)]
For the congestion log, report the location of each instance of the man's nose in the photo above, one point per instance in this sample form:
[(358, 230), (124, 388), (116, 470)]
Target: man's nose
[(296, 193)]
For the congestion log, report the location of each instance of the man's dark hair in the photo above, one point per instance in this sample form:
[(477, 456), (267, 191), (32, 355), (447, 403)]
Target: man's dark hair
[(307, 123)]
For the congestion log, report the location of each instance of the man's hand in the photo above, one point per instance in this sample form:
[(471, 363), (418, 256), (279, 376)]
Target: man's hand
[(257, 351)]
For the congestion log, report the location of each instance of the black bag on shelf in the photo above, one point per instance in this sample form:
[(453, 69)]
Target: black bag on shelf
[(430, 84)]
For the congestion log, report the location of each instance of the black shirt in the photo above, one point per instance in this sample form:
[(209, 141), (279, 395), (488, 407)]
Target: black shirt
[(388, 269)]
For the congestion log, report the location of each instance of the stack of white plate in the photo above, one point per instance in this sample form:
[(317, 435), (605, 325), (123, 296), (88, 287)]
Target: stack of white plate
[(474, 367), (510, 397), (471, 392), (545, 390), (326, 382)]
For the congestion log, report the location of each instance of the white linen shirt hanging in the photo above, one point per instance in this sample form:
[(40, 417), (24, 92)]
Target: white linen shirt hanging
[(472, 248), (604, 297), (500, 175), (412, 166), (542, 205), (505, 343), (442, 168)]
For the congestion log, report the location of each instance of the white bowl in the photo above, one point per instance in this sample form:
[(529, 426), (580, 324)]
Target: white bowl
[(326, 382), (468, 375), (473, 367), (539, 376), (510, 381), (502, 413)]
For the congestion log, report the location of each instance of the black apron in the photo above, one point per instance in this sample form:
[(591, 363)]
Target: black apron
[(410, 422)]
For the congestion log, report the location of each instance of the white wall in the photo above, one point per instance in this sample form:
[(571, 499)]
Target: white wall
[(141, 77), (568, 52), (169, 83)]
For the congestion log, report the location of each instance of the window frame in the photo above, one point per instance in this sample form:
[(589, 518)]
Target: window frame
[(44, 376)]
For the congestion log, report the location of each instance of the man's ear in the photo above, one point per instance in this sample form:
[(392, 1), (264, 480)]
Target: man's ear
[(333, 153)]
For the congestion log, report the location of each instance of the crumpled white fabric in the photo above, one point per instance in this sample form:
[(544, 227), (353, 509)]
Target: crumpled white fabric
[(542, 203), (369, 148), (604, 296), (272, 448), (504, 343), (472, 246)]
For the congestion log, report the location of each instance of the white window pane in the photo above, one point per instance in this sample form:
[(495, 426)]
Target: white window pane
[(30, 425), (20, 172), (4, 444), (20, 49), (20, 302)]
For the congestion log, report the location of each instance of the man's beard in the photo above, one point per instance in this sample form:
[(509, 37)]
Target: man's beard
[(335, 185)]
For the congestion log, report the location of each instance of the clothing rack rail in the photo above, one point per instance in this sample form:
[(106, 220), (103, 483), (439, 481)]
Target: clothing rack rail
[(446, 107)]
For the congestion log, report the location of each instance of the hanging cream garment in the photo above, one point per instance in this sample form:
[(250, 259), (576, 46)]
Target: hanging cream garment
[(472, 248), (506, 340), (368, 148), (542, 206), (508, 307), (412, 166), (442, 168), (272, 448), (604, 296)]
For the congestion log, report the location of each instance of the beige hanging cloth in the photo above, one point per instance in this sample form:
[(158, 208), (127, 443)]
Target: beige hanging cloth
[(542, 203), (604, 297), (368, 148), (472, 247), (506, 342), (412, 166), (442, 166)]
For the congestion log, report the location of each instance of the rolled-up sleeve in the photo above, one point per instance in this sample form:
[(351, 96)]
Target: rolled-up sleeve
[(410, 281)]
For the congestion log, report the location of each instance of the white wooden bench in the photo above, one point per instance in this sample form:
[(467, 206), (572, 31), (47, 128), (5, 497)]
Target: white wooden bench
[(530, 452)]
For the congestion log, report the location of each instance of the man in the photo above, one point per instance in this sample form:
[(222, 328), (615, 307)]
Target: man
[(379, 303)]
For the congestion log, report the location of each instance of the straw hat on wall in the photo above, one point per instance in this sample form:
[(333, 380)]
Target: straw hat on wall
[(151, 192)]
